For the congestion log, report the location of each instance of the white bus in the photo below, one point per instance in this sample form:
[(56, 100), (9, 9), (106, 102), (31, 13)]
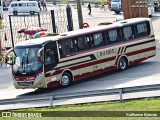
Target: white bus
[(82, 53), (23, 7)]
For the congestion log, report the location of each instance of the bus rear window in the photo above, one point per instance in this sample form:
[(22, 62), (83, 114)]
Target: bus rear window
[(143, 29)]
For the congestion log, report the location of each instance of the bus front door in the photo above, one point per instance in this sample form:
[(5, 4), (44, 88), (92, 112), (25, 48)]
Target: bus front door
[(51, 58)]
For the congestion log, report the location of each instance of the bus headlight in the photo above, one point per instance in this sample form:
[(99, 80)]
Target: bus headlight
[(39, 76)]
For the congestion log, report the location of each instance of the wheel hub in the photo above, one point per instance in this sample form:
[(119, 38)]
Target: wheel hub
[(65, 80)]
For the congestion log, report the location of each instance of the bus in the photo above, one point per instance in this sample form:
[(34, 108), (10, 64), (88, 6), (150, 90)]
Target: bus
[(81, 53)]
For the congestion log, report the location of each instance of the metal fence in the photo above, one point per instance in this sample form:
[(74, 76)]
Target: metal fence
[(11, 25), (66, 96)]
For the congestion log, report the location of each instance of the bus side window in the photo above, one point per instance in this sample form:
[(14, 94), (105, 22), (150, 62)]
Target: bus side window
[(82, 43), (113, 36), (98, 39), (127, 32), (143, 29), (66, 47)]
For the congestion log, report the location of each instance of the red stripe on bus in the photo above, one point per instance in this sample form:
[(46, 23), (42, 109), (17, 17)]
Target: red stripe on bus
[(94, 72), (55, 73), (82, 66), (77, 77), (141, 51), (122, 50), (54, 83), (101, 61), (139, 60), (117, 59), (93, 63)]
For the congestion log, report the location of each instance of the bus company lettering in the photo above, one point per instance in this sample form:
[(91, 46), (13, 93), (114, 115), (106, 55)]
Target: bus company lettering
[(107, 52)]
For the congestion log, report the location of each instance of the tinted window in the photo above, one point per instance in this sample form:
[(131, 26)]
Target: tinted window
[(127, 32), (66, 47), (113, 36), (143, 29), (22, 4), (97, 39), (82, 43)]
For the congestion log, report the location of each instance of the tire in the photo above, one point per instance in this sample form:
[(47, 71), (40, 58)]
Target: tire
[(117, 12), (122, 65), (66, 80), (32, 12), (15, 13)]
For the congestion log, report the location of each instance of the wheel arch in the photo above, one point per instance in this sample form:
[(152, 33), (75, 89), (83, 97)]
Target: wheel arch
[(69, 72), (124, 56)]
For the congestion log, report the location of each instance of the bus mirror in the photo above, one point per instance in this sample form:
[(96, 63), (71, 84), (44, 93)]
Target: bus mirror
[(39, 55)]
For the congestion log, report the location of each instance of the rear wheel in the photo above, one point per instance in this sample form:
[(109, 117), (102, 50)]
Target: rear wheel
[(117, 12), (15, 13), (122, 64), (66, 80)]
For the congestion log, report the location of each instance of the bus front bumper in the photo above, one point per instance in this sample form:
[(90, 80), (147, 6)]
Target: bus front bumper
[(29, 84)]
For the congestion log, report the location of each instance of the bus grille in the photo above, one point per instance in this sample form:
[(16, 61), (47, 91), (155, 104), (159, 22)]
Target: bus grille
[(27, 83)]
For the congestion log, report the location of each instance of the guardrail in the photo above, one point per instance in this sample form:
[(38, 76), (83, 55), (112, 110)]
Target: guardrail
[(53, 97)]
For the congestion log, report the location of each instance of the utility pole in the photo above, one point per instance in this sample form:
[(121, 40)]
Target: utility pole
[(80, 16)]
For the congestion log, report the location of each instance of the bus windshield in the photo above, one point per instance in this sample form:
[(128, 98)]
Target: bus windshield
[(25, 61)]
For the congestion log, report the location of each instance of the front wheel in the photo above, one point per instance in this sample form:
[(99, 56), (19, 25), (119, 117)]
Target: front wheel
[(66, 80), (122, 64), (117, 12)]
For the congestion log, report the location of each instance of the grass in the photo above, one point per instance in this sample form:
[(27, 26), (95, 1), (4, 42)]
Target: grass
[(152, 104)]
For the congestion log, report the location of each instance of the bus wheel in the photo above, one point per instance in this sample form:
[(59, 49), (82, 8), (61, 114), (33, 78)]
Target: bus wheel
[(122, 64), (117, 12), (66, 80)]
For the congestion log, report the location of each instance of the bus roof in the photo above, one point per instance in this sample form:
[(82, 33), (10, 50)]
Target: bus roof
[(41, 41)]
